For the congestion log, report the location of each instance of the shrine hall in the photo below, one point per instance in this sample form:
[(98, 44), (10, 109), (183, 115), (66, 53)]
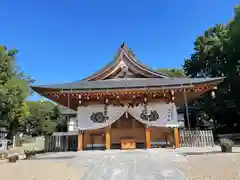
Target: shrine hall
[(127, 105)]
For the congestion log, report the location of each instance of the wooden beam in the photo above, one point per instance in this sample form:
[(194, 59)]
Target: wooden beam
[(176, 138), (80, 141), (148, 137), (108, 138)]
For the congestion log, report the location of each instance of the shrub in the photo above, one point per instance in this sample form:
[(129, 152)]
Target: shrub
[(226, 142), (226, 145), (29, 153), (13, 159)]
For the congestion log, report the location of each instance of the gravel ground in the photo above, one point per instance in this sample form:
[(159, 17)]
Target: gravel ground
[(38, 170), (212, 167), (151, 164), (95, 165)]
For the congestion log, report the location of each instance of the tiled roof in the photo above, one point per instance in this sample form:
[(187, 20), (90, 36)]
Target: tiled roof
[(131, 83)]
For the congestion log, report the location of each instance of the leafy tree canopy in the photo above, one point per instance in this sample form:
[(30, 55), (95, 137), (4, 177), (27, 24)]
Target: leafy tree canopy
[(44, 118), (173, 72), (217, 54), (13, 91)]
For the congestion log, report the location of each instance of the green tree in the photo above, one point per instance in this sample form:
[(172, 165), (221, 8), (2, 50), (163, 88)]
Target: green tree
[(44, 118), (209, 58), (59, 119), (39, 116), (217, 54), (13, 91), (173, 72)]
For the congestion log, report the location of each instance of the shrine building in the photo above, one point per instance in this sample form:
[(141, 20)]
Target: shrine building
[(127, 105)]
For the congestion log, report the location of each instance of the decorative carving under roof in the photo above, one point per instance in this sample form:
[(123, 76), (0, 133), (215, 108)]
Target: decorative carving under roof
[(125, 65)]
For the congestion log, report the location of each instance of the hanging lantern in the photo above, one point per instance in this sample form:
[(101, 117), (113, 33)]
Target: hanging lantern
[(79, 96), (213, 94), (106, 100), (145, 100), (154, 95)]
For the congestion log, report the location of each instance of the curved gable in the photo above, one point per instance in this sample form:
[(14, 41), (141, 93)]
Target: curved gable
[(125, 65)]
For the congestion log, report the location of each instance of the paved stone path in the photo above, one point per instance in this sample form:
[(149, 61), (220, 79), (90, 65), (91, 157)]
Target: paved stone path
[(123, 165)]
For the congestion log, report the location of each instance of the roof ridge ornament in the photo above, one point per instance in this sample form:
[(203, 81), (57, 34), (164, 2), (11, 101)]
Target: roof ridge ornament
[(123, 44)]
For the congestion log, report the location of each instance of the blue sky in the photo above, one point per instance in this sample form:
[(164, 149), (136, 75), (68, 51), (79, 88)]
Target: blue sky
[(62, 41)]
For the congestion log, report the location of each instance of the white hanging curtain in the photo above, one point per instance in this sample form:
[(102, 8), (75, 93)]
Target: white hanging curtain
[(157, 114), (98, 116)]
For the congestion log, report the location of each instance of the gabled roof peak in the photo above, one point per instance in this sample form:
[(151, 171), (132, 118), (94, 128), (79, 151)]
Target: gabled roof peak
[(126, 55), (129, 51)]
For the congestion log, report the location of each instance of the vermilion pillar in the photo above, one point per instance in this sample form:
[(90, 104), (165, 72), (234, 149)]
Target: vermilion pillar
[(176, 137), (108, 138), (80, 141), (148, 137)]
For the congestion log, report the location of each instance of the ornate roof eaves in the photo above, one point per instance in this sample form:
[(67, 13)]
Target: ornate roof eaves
[(129, 83)]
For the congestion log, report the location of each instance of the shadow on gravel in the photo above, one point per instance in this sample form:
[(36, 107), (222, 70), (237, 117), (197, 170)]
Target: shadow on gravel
[(94, 148), (52, 158), (206, 153), (40, 151)]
